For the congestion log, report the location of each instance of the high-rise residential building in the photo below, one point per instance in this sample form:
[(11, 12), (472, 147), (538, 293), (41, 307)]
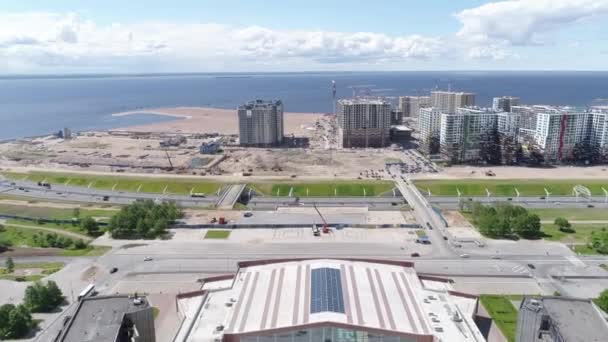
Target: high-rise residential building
[(429, 125), (410, 105), (468, 135), (364, 122), (504, 103), (261, 123), (449, 101)]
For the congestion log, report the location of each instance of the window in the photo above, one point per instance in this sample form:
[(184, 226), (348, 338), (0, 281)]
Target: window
[(326, 291)]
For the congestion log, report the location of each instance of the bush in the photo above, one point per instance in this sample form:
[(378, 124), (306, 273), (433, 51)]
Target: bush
[(602, 300), (143, 220)]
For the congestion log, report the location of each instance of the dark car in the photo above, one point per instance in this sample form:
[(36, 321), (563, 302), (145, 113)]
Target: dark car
[(113, 270), (531, 266), (415, 255)]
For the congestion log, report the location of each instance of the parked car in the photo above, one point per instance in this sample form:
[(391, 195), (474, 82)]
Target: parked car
[(148, 259), (248, 214), (464, 256), (113, 270), (415, 255), (531, 266), (495, 257)]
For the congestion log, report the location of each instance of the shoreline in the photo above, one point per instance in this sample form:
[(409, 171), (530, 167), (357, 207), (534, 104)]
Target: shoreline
[(210, 120)]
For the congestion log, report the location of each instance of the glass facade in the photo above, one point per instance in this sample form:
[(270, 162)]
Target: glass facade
[(327, 334)]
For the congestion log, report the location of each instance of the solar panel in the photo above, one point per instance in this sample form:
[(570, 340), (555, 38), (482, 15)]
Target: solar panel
[(326, 291)]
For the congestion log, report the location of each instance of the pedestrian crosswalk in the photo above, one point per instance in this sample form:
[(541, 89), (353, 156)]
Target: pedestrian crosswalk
[(575, 261), (519, 269)]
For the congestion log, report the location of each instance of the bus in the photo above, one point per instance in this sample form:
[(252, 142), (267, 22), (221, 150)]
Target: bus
[(87, 292)]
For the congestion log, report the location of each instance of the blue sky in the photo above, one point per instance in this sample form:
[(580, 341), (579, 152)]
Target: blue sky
[(165, 36)]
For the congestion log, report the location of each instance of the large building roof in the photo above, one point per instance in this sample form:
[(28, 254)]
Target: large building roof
[(100, 318), (576, 320), (380, 296)]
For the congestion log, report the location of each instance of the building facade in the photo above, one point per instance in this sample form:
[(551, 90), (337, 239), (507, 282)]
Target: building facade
[(448, 101), (410, 105), (260, 123), (364, 122), (429, 125), (504, 103), (466, 134)]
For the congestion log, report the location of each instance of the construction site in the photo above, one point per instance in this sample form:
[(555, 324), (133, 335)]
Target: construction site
[(313, 152)]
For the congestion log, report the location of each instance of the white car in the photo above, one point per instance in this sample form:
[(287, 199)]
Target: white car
[(464, 256), (148, 259), (495, 257)]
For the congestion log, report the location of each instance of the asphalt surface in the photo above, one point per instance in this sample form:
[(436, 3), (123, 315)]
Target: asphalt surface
[(452, 202)]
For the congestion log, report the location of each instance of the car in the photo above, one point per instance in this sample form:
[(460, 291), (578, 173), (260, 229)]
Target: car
[(148, 259), (542, 197), (509, 199), (113, 270), (464, 256), (531, 266), (415, 255), (248, 214), (495, 257), (445, 238), (590, 206)]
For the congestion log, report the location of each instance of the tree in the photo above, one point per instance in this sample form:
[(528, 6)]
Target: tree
[(528, 226), (76, 212), (90, 226), (563, 224), (143, 220), (42, 298), (16, 321), (10, 265), (602, 300)]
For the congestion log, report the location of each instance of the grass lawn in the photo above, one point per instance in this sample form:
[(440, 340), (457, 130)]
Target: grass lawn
[(217, 234), (61, 226), (506, 187), (47, 269), (122, 183), (51, 213), (584, 249), (581, 235), (325, 189), (420, 233), (572, 214), (89, 251), (503, 313)]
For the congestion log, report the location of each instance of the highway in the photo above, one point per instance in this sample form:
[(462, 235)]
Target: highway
[(453, 202)]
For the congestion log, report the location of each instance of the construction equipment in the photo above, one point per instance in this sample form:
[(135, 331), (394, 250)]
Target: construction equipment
[(325, 226), (170, 163)]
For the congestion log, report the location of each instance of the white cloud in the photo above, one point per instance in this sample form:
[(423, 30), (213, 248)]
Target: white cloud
[(41, 41), (524, 22)]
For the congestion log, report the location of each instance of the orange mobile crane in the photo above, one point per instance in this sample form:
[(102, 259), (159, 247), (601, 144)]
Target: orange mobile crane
[(325, 226)]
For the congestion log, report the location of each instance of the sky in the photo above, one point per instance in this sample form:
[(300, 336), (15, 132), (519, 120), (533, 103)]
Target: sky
[(111, 36)]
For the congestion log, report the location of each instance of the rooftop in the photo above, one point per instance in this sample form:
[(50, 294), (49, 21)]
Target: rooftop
[(380, 296), (260, 104), (364, 101), (99, 318), (577, 320)]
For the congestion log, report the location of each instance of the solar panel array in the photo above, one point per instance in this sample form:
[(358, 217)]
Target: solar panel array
[(326, 291)]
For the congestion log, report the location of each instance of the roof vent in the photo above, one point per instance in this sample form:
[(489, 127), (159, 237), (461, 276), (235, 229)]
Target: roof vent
[(219, 328)]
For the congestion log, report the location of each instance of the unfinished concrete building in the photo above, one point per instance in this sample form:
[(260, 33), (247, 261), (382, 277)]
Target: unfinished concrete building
[(364, 122)]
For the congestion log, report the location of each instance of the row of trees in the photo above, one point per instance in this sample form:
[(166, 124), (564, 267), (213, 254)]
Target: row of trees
[(504, 220), (144, 220), (56, 241), (16, 321)]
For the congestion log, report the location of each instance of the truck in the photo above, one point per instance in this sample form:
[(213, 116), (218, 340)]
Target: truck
[(87, 292)]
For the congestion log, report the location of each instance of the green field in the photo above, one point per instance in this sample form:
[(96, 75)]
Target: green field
[(68, 227), (571, 214), (217, 234), (503, 313), (324, 189), (581, 235), (506, 187), (121, 183), (51, 213)]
